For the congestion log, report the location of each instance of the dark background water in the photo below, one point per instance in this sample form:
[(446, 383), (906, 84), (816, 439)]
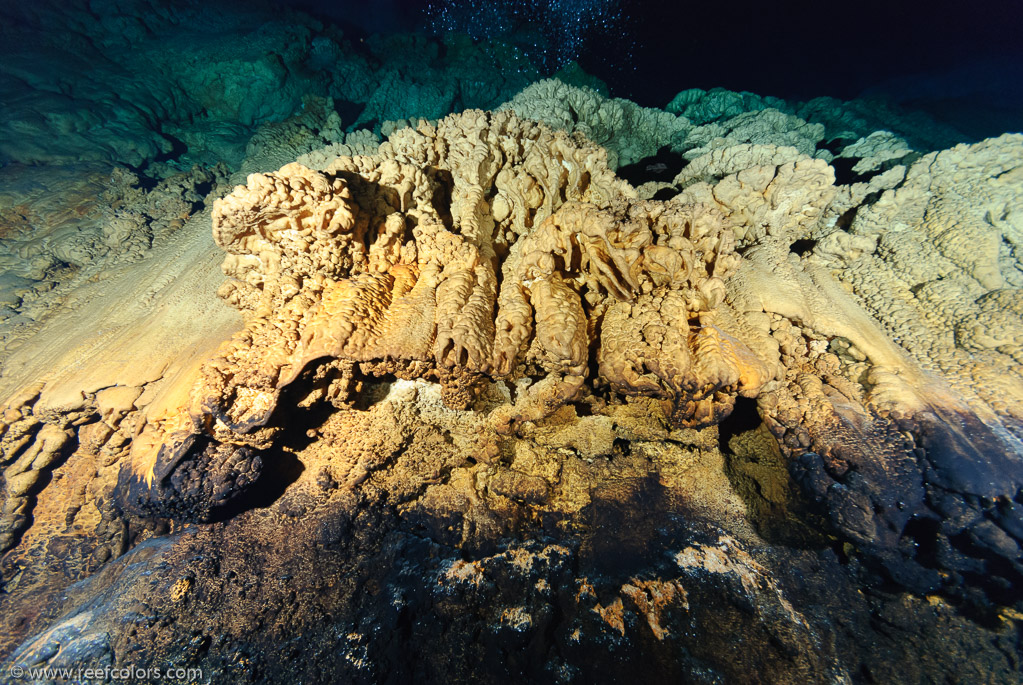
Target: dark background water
[(125, 80), (959, 59), (795, 48)]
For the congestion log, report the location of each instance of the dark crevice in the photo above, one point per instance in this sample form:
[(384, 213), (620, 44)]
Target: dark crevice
[(663, 166), (844, 222), (924, 533), (178, 149), (281, 467), (835, 145), (802, 246), (348, 111), (280, 470), (584, 182), (744, 418), (762, 477), (203, 188), (844, 174), (144, 182), (411, 222), (907, 161)]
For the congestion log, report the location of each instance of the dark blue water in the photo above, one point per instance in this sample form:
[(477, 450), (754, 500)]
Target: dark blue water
[(963, 62)]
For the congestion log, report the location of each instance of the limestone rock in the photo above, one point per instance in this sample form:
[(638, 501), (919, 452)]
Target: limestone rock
[(363, 263), (628, 132)]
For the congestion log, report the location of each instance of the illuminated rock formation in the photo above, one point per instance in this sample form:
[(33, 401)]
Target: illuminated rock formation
[(466, 395), (899, 402), (486, 247)]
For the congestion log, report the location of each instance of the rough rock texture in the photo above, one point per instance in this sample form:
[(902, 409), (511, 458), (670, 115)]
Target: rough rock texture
[(843, 122), (66, 233), (470, 408), (407, 540), (705, 106), (897, 423), (133, 81), (846, 121), (419, 77), (118, 81), (395, 260), (627, 131), (763, 127), (948, 253)]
